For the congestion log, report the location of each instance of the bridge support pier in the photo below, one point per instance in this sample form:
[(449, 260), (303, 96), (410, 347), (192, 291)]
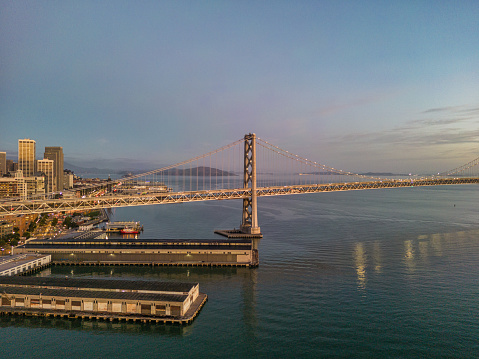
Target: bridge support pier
[(249, 223)]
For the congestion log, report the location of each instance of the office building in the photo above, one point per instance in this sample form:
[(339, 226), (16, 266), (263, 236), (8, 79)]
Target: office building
[(6, 228), (12, 166), (67, 179), (3, 163), (9, 187), (46, 166), (26, 157), (20, 186), (56, 155)]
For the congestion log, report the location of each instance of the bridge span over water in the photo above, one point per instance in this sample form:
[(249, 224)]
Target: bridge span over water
[(245, 169)]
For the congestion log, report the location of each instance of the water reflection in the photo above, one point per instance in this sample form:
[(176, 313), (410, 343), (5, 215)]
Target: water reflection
[(210, 278), (94, 325), (360, 264), (436, 243), (202, 275), (250, 281), (419, 252), (377, 260), (46, 272), (424, 250), (409, 255), (415, 254)]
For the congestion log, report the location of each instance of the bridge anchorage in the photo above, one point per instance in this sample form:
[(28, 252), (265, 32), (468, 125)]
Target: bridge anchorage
[(249, 224)]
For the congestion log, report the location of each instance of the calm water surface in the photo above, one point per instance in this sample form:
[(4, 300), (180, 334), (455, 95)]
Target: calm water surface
[(371, 274)]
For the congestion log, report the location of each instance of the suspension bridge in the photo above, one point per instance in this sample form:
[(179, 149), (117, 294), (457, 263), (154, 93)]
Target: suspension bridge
[(245, 169)]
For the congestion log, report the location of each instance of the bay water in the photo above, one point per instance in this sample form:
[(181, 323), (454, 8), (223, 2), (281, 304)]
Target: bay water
[(360, 274)]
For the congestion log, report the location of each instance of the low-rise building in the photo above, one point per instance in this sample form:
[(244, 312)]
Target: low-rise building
[(68, 177), (20, 186), (88, 249), (101, 298), (22, 263), (6, 228)]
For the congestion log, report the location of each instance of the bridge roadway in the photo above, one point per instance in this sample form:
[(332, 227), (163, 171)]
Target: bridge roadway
[(113, 201)]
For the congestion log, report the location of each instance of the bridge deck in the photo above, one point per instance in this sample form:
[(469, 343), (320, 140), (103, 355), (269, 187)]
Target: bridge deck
[(82, 204)]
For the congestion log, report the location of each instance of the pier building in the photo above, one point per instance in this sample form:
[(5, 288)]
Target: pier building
[(107, 299), (102, 251), (23, 263)]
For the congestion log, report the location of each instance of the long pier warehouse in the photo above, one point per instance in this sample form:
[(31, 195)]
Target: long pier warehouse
[(23, 263), (147, 301), (98, 251)]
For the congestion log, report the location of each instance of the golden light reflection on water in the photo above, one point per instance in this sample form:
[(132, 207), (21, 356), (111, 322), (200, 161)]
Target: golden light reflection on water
[(360, 264), (377, 261), (409, 255), (420, 251), (424, 250), (415, 253), (436, 243)]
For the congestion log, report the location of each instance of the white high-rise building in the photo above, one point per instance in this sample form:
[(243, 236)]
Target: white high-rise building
[(46, 166), (26, 157)]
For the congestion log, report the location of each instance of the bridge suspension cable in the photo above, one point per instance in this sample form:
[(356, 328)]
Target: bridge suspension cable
[(286, 168), (219, 174), (467, 169)]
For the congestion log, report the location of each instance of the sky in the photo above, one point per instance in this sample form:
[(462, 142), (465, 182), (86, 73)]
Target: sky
[(357, 85)]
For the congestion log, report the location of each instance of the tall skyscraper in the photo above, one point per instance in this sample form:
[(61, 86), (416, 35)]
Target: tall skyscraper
[(3, 163), (56, 155), (26, 157), (46, 166)]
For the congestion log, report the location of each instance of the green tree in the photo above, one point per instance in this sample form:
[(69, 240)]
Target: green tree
[(54, 222), (93, 214), (32, 226), (68, 222)]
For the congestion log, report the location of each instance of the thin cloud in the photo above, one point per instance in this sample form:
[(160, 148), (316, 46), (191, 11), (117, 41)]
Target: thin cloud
[(453, 110), (441, 109), (453, 129), (438, 122), (474, 110)]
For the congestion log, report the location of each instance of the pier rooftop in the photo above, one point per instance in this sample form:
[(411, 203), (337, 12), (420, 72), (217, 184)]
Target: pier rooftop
[(139, 286), (22, 263)]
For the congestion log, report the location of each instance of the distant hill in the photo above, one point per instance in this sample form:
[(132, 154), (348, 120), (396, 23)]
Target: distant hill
[(382, 174), (199, 171), (335, 173), (78, 169), (116, 165), (196, 171)]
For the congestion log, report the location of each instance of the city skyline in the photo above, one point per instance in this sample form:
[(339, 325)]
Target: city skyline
[(367, 86)]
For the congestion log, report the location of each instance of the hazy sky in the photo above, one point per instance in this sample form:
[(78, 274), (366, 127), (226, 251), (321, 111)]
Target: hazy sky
[(357, 85)]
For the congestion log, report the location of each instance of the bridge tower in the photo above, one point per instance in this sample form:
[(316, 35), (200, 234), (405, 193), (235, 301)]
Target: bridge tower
[(249, 223)]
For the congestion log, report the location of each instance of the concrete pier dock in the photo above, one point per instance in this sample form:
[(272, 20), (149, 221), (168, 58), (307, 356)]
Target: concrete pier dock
[(164, 252), (101, 299), (23, 263)]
